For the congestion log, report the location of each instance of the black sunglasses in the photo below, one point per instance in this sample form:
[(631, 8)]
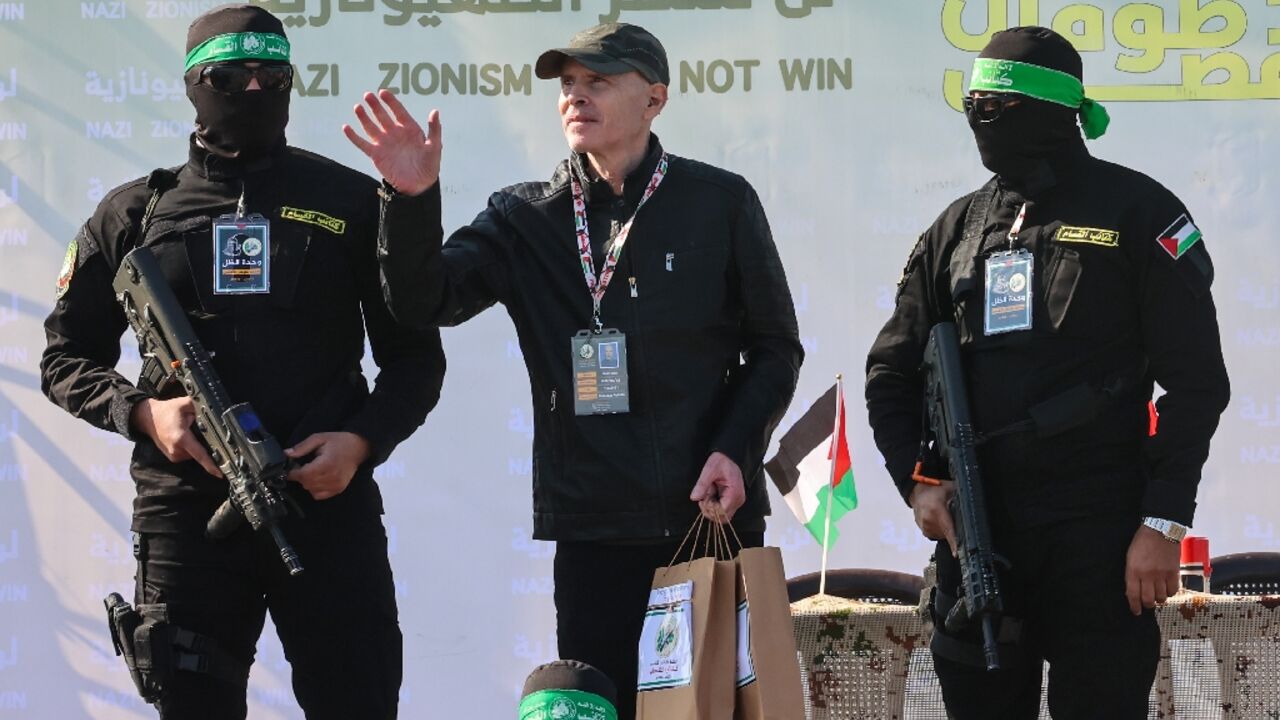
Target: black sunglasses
[(234, 78), (989, 107)]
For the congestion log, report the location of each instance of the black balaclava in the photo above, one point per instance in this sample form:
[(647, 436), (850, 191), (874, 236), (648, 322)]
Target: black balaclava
[(1016, 145), (244, 125)]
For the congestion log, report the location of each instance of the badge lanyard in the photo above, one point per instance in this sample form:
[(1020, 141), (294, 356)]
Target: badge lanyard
[(1017, 226), (597, 287)]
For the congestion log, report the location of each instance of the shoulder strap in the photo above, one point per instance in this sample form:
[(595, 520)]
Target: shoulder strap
[(160, 180), (964, 257)]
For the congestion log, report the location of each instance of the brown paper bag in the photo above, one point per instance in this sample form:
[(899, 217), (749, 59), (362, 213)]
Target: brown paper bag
[(687, 646), (768, 671)]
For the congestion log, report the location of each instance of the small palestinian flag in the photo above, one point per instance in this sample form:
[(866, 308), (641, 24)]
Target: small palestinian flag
[(1179, 237), (812, 467)]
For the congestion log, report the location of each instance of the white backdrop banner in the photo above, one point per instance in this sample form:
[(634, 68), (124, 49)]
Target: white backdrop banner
[(842, 113)]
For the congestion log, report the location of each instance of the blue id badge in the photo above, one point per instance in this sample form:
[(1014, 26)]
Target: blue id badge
[(1008, 292), (241, 255)]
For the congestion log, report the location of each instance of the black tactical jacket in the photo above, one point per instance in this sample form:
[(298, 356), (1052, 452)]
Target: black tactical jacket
[(1111, 309), (713, 346), (293, 353)]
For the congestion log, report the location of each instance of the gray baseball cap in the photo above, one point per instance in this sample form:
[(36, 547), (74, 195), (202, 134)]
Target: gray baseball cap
[(610, 49)]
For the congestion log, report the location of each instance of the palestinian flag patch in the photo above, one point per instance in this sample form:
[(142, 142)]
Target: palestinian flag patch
[(1179, 237), (68, 268)]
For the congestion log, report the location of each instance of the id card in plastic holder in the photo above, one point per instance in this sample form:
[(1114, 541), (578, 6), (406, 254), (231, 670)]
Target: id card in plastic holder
[(1008, 292), (241, 255), (600, 373)]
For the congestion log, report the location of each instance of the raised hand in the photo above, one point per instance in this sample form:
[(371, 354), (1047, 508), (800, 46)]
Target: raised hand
[(406, 157)]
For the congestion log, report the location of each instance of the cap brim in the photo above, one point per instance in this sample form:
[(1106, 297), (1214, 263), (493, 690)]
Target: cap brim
[(550, 63)]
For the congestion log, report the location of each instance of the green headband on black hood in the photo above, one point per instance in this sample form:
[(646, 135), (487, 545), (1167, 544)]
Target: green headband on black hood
[(1042, 83), (239, 46)]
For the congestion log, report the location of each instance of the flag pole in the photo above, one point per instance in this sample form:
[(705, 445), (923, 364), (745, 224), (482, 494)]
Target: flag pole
[(831, 482)]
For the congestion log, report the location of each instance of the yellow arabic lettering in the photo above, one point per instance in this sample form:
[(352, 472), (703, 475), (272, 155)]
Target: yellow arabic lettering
[(1154, 42), (997, 20), (639, 5), (806, 7), (953, 89), (1228, 71), (406, 8), (1273, 34), (1127, 18), (284, 7), (292, 11), (1091, 23), (323, 18)]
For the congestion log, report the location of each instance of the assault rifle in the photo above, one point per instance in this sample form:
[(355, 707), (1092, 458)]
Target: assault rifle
[(248, 456), (956, 442)]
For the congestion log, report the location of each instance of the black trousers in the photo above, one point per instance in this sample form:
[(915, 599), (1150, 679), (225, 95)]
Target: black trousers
[(1066, 586), (337, 620), (601, 592)]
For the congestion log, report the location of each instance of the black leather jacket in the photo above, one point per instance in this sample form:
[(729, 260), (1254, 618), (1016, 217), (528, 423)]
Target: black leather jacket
[(713, 346)]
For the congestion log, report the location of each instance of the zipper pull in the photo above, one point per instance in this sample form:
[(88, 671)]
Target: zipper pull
[(553, 400), (634, 292)]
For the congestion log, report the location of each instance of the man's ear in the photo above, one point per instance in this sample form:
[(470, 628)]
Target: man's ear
[(657, 100)]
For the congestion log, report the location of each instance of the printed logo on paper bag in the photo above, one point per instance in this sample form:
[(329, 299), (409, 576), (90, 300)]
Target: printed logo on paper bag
[(666, 640)]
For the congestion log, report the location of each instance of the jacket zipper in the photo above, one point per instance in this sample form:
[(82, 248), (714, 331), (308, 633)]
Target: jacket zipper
[(653, 426)]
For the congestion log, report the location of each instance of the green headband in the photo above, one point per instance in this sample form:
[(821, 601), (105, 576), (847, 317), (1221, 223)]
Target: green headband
[(239, 46), (543, 705), (1042, 83)]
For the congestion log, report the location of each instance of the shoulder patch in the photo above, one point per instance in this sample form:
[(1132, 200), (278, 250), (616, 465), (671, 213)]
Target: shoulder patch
[(68, 268), (1179, 237), (1088, 236), (334, 225)]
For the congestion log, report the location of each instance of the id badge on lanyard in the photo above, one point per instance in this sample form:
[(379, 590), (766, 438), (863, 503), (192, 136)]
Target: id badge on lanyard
[(600, 373), (1008, 286), (599, 354), (241, 255)]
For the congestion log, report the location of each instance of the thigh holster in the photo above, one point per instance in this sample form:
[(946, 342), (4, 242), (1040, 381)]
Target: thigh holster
[(153, 648)]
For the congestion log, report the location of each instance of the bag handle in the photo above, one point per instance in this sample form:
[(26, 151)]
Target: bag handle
[(714, 544), (695, 530)]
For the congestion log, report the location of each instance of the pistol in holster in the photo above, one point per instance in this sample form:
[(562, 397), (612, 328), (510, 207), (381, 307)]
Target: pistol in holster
[(153, 648)]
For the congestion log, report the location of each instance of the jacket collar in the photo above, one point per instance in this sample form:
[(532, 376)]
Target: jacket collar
[(598, 190), (217, 167)]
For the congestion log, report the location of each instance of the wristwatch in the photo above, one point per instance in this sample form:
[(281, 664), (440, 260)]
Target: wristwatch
[(1172, 531)]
